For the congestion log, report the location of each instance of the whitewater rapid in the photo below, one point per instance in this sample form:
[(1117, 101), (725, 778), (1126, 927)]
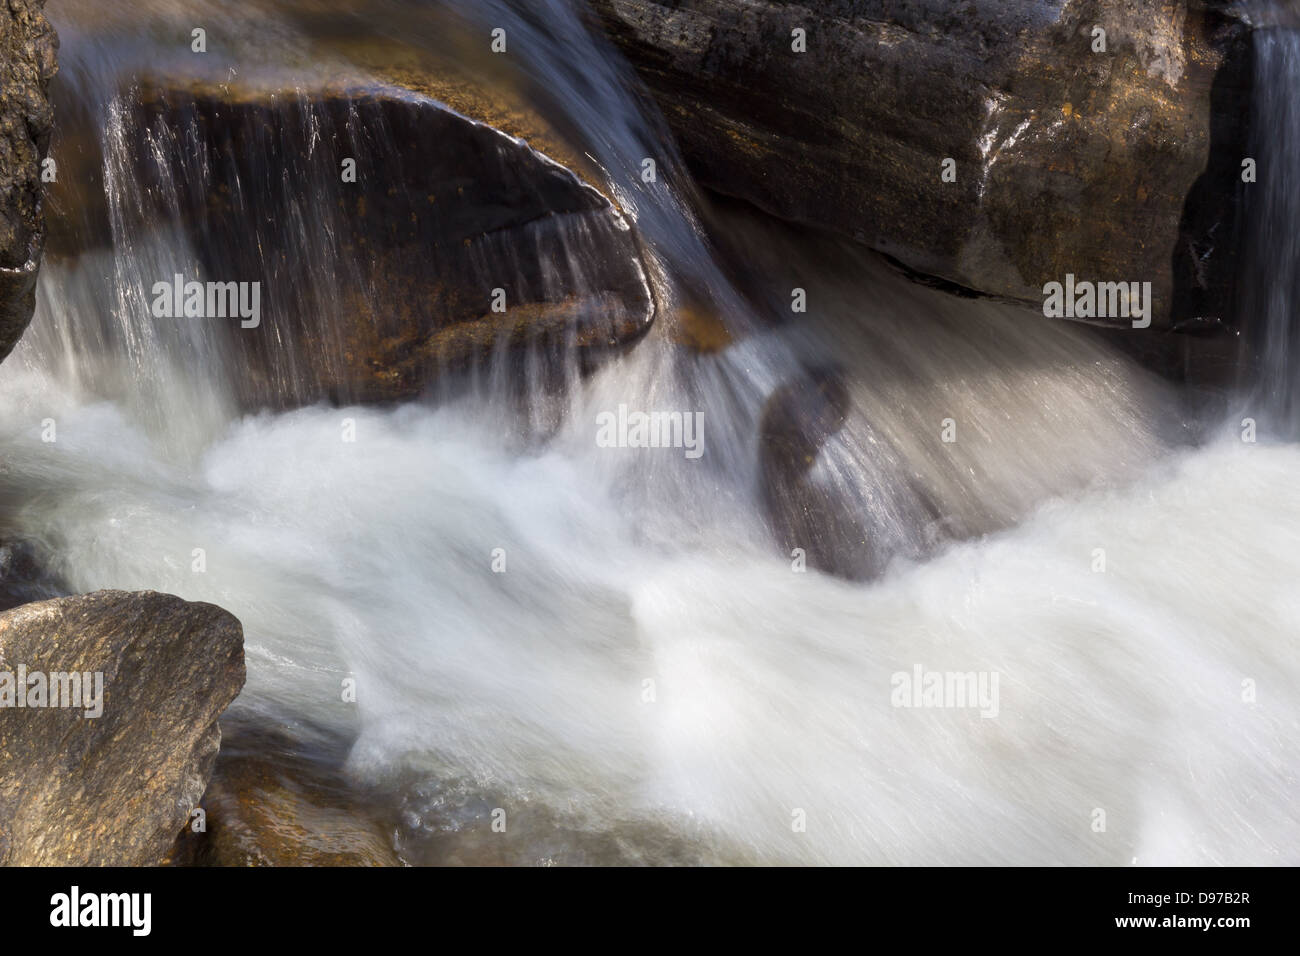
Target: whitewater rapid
[(1120, 690)]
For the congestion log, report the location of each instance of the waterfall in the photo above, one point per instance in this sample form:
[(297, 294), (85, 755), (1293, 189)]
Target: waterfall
[(1272, 248), (620, 646)]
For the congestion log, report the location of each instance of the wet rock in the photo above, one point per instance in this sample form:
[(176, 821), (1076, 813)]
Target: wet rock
[(281, 795), (113, 789), (699, 326), (394, 240), (27, 63), (797, 421), (1067, 160), (833, 490), (282, 799)]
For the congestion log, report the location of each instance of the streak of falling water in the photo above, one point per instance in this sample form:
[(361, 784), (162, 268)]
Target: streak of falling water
[(1271, 280)]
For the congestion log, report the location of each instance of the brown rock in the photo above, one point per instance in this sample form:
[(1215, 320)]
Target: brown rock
[(113, 789), (373, 289), (27, 63), (277, 800)]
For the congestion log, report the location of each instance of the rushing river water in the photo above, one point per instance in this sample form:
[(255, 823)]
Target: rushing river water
[(649, 677)]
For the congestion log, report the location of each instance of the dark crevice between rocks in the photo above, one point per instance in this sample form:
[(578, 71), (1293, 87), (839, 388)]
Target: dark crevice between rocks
[(1207, 257), (1201, 349)]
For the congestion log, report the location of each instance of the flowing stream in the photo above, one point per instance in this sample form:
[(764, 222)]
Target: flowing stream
[(652, 678)]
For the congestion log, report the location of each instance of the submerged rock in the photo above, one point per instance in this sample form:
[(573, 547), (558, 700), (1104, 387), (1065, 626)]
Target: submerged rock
[(27, 63), (809, 519), (1072, 151), (822, 506), (112, 780), (23, 579), (282, 799), (281, 795), (798, 420)]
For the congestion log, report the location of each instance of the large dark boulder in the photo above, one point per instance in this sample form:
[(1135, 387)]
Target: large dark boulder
[(117, 788), (451, 243), (27, 62), (1067, 160)]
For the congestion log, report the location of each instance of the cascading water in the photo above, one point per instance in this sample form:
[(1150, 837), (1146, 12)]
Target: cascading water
[(1272, 249), (651, 679)]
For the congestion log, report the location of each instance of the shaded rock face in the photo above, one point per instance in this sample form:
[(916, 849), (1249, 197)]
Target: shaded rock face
[(393, 239), (1067, 160), (113, 789), (27, 63)]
